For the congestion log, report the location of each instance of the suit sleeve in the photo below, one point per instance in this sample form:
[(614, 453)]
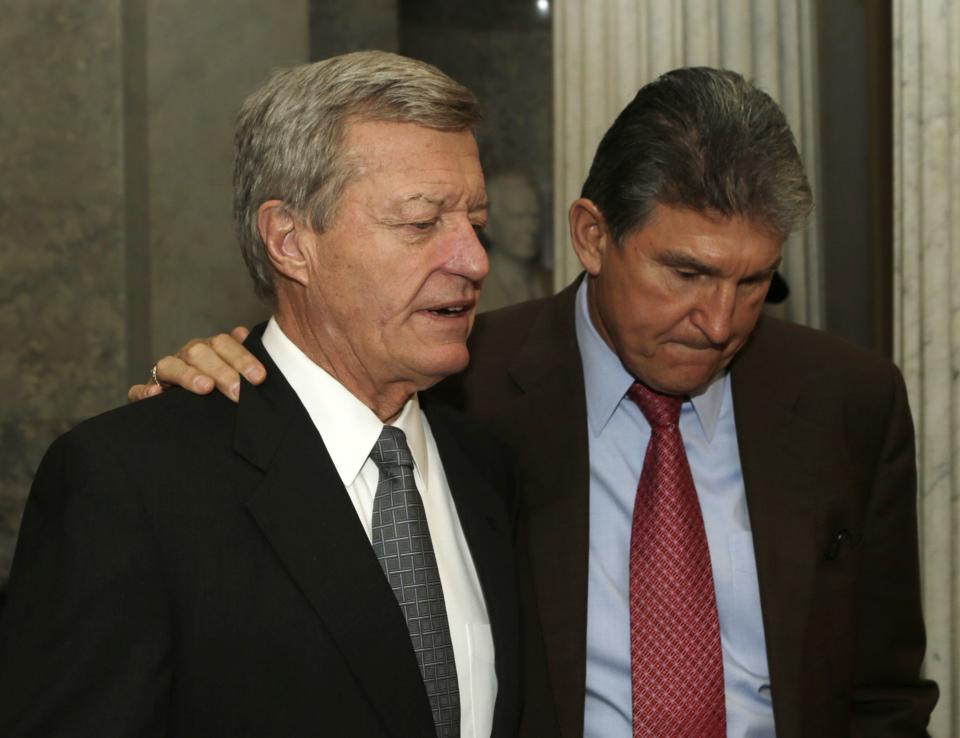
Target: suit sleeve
[(85, 632), (890, 698)]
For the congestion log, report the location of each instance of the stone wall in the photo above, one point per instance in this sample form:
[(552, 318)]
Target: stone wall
[(115, 235), (62, 279)]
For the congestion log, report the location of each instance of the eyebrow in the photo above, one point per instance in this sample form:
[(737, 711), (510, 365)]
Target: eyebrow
[(440, 202), (678, 260)]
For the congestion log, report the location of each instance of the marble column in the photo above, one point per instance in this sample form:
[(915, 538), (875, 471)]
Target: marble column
[(605, 51), (927, 310)]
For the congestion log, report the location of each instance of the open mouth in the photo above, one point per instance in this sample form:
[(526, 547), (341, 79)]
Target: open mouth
[(449, 312)]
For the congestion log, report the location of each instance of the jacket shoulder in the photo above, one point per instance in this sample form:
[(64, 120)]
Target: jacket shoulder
[(507, 328), (497, 339), (790, 347), (174, 416), (139, 443)]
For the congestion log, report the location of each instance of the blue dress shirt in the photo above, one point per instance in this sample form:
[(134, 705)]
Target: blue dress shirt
[(618, 437)]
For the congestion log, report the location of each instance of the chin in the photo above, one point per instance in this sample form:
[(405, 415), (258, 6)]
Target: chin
[(446, 361), (683, 383)]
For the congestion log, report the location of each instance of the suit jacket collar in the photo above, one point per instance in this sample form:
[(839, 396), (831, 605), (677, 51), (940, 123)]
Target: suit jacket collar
[(549, 371), (488, 528), (789, 471), (302, 508)]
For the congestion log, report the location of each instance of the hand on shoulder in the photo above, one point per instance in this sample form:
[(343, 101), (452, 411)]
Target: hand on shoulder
[(203, 364)]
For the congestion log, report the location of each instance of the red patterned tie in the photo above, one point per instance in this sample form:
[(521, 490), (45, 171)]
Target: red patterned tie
[(676, 658)]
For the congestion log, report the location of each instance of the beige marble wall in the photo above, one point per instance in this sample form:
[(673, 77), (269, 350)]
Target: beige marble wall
[(605, 51), (202, 60), (927, 311), (115, 234), (62, 280), (341, 26)]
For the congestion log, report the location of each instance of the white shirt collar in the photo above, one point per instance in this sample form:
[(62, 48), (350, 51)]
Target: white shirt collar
[(349, 428), (606, 380)]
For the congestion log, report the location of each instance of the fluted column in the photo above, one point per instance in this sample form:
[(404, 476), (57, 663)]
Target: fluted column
[(604, 50), (927, 309)]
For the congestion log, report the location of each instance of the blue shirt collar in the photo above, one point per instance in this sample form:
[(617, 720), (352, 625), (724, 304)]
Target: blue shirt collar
[(606, 381)]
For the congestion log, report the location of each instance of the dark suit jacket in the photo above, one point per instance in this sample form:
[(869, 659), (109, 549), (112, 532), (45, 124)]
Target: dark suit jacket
[(190, 567), (826, 445)]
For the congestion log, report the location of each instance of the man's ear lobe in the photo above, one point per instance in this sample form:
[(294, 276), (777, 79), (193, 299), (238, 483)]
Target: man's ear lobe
[(282, 234), (590, 234)]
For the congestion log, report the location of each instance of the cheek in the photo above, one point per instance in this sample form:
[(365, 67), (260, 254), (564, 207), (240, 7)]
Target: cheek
[(634, 334), (635, 320), (747, 314)]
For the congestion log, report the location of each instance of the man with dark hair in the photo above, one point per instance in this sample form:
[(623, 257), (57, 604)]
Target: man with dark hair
[(718, 507), (325, 558)]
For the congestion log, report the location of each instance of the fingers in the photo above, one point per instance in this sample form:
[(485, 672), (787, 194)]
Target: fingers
[(172, 370), (198, 368), (203, 364), (240, 333), (231, 352), (143, 391)]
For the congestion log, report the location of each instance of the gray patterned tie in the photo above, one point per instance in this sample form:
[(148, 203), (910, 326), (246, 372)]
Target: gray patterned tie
[(401, 541)]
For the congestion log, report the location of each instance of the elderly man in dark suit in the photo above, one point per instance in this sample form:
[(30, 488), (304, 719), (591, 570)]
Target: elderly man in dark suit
[(326, 557), (718, 507)]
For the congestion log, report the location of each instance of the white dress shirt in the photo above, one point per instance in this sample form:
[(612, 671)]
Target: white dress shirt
[(349, 430), (618, 436)]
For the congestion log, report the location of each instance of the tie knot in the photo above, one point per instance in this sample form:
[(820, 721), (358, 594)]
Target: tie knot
[(391, 449), (661, 411)]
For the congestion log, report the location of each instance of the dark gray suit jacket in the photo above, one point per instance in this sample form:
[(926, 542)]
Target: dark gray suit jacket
[(191, 567), (826, 445)]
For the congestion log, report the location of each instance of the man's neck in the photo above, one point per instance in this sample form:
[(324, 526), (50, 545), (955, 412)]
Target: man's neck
[(386, 401)]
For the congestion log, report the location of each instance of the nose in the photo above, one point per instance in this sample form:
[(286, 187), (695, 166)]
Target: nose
[(468, 257), (714, 312)]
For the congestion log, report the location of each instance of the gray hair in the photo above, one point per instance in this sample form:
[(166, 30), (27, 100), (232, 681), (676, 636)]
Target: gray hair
[(290, 133), (704, 139)]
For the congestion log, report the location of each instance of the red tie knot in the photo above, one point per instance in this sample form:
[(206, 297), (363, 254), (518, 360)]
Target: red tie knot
[(661, 411)]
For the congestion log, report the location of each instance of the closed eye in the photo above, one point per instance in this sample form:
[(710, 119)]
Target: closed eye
[(757, 279)]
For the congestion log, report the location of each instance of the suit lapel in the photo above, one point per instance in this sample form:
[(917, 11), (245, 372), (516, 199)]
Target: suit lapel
[(487, 528), (551, 430), (788, 469), (304, 512)]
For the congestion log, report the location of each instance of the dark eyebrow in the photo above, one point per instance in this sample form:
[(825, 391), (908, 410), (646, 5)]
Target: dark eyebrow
[(766, 271), (678, 260)]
